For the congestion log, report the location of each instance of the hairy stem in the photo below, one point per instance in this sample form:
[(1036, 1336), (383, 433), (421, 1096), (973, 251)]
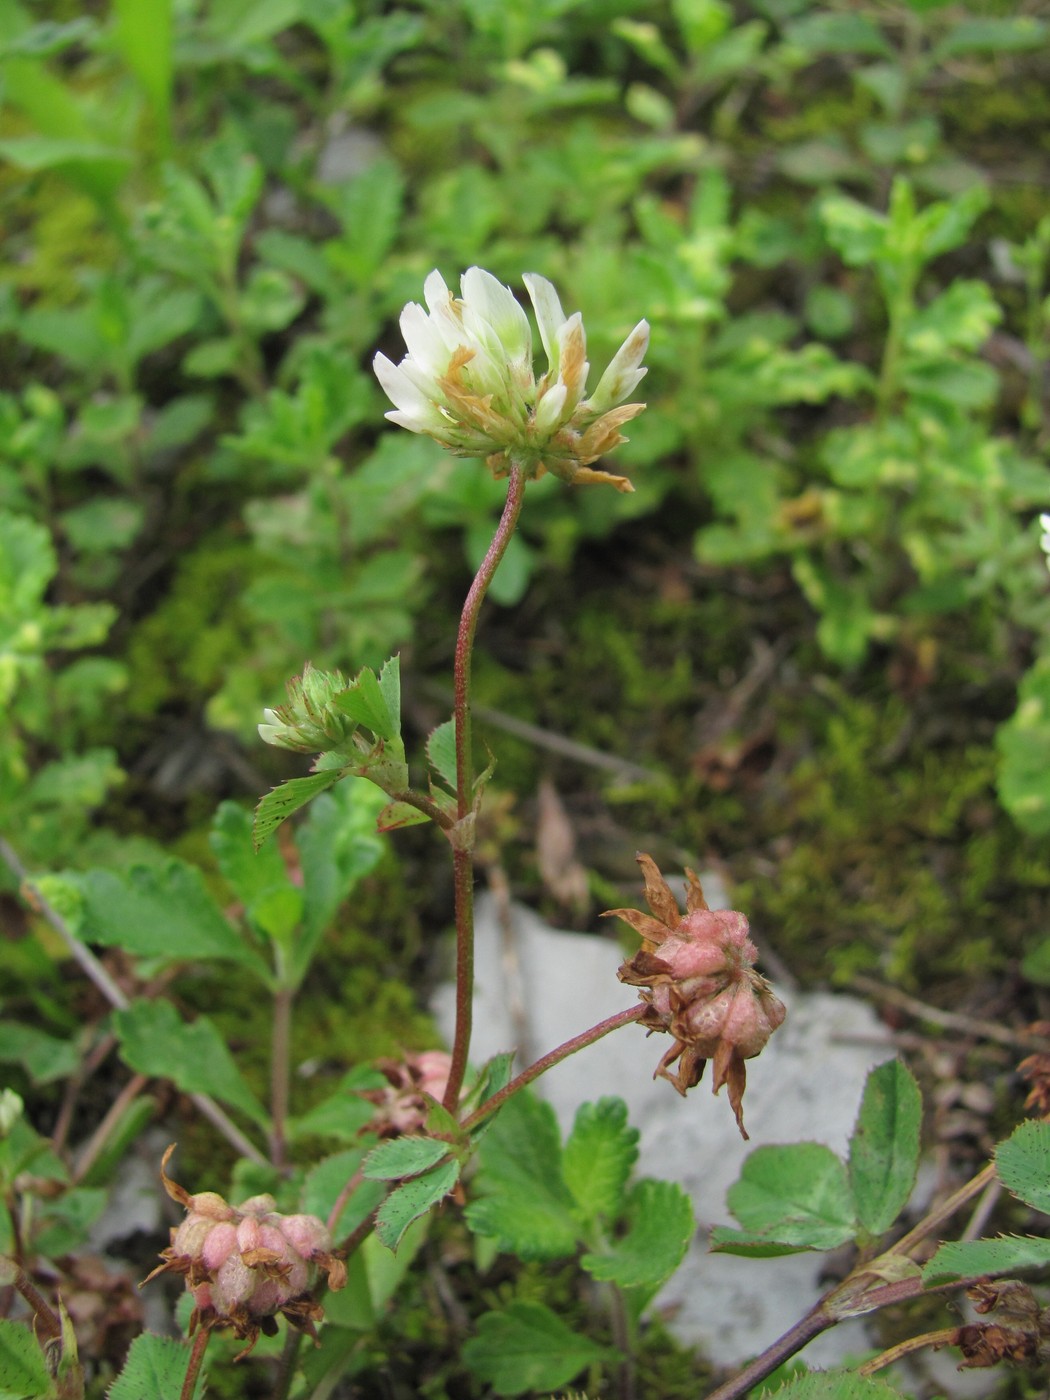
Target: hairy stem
[(461, 835), (553, 1057), (200, 1344)]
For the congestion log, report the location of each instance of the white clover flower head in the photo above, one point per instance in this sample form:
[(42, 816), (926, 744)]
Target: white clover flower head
[(468, 380)]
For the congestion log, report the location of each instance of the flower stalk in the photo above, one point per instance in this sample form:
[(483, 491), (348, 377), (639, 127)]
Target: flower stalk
[(462, 836)]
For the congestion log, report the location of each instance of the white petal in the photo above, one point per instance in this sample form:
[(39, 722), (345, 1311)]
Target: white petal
[(550, 410), (488, 298), (436, 293), (572, 364), (623, 374), (403, 393), (549, 315), (426, 344)]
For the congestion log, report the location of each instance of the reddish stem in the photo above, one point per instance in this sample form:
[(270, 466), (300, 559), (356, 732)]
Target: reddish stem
[(553, 1057), (200, 1343), (461, 836)]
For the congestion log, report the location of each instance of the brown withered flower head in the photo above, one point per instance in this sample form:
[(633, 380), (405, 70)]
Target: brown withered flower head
[(245, 1264), (700, 985), (402, 1104), (1036, 1070)]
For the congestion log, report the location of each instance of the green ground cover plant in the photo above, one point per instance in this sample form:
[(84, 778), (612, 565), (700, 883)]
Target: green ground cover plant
[(814, 633)]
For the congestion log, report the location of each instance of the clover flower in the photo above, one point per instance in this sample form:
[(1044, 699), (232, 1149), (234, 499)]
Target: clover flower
[(244, 1264), (468, 380), (700, 986)]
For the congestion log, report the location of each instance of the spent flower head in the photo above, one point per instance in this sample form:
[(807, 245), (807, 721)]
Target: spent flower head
[(468, 380), (244, 1264), (700, 986), (404, 1101)]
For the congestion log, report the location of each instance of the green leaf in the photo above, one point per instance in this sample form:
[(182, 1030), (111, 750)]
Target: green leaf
[(193, 1055), (23, 1370), (1023, 743), (833, 1385), (395, 816), (660, 1226), (338, 846), (254, 876), (144, 34), (163, 912), (390, 685), (523, 1202), (723, 1240), (403, 1156), (600, 1152), (344, 1113), (155, 1367), (527, 1347), (414, 1199), (441, 752), (1023, 1164), (326, 1182), (494, 1075), (280, 802), (797, 1195), (992, 35), (1004, 1255), (824, 33), (884, 1148), (44, 1057), (364, 702), (47, 152)]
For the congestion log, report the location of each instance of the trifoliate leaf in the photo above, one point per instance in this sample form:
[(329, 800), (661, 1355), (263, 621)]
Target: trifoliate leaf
[(599, 1155)]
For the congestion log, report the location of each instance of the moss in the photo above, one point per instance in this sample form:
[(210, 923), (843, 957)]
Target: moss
[(895, 860), (182, 649)]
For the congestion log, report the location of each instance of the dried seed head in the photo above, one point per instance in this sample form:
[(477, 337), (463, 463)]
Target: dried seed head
[(700, 986), (245, 1263)]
